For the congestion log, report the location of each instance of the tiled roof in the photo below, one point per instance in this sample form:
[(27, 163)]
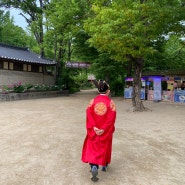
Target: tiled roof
[(22, 55)]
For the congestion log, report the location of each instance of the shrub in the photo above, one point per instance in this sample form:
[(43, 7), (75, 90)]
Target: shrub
[(18, 87), (28, 86), (39, 87)]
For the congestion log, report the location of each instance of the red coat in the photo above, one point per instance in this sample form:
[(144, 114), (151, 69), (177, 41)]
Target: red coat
[(100, 113)]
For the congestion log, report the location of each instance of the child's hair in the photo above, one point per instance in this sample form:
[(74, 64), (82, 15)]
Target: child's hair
[(103, 87)]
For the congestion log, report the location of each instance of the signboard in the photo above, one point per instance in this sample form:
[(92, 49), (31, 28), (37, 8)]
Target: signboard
[(168, 96), (128, 93), (78, 64), (150, 95), (179, 96)]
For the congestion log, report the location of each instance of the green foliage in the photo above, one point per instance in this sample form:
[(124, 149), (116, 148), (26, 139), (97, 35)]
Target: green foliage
[(113, 72), (27, 87), (18, 87), (67, 80), (11, 34), (127, 31), (42, 87), (174, 52), (128, 28), (82, 80), (81, 49), (74, 80), (73, 85), (170, 55), (86, 85), (64, 21), (117, 87), (33, 12), (49, 44)]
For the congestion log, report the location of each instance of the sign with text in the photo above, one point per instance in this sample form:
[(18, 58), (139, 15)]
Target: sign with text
[(78, 64)]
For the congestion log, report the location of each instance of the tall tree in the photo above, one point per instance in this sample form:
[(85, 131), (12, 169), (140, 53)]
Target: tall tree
[(174, 52), (127, 31), (33, 12), (170, 55), (12, 34), (64, 21)]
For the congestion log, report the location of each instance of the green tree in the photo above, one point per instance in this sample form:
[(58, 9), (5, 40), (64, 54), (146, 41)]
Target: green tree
[(110, 70), (170, 54), (127, 30), (64, 22), (174, 52), (12, 34), (81, 49), (33, 12)]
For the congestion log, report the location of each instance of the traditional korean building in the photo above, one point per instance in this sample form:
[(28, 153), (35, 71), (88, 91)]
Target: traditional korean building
[(21, 64)]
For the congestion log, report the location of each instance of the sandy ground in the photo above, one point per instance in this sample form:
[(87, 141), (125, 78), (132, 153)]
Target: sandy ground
[(41, 142)]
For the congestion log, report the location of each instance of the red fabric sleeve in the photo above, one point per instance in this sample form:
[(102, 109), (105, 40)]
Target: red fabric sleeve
[(90, 122)]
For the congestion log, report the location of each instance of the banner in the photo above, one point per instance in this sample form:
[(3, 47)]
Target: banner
[(157, 88), (179, 96), (77, 64)]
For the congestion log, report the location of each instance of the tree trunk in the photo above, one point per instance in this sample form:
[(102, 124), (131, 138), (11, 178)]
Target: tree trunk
[(129, 68), (59, 59), (136, 100)]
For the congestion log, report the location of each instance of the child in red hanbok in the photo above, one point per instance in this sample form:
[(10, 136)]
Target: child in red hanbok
[(100, 120)]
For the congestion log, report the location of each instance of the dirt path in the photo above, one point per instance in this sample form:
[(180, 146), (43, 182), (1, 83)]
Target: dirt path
[(41, 141)]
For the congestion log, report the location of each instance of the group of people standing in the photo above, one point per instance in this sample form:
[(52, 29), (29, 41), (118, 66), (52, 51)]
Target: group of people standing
[(100, 126)]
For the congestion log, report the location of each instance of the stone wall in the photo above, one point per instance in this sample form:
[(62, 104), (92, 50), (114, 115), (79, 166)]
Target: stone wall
[(32, 95), (8, 77)]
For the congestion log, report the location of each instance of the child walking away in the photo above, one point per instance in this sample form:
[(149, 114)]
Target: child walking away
[(100, 126)]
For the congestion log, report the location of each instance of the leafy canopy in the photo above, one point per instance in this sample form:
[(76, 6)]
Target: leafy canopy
[(12, 34), (129, 28)]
